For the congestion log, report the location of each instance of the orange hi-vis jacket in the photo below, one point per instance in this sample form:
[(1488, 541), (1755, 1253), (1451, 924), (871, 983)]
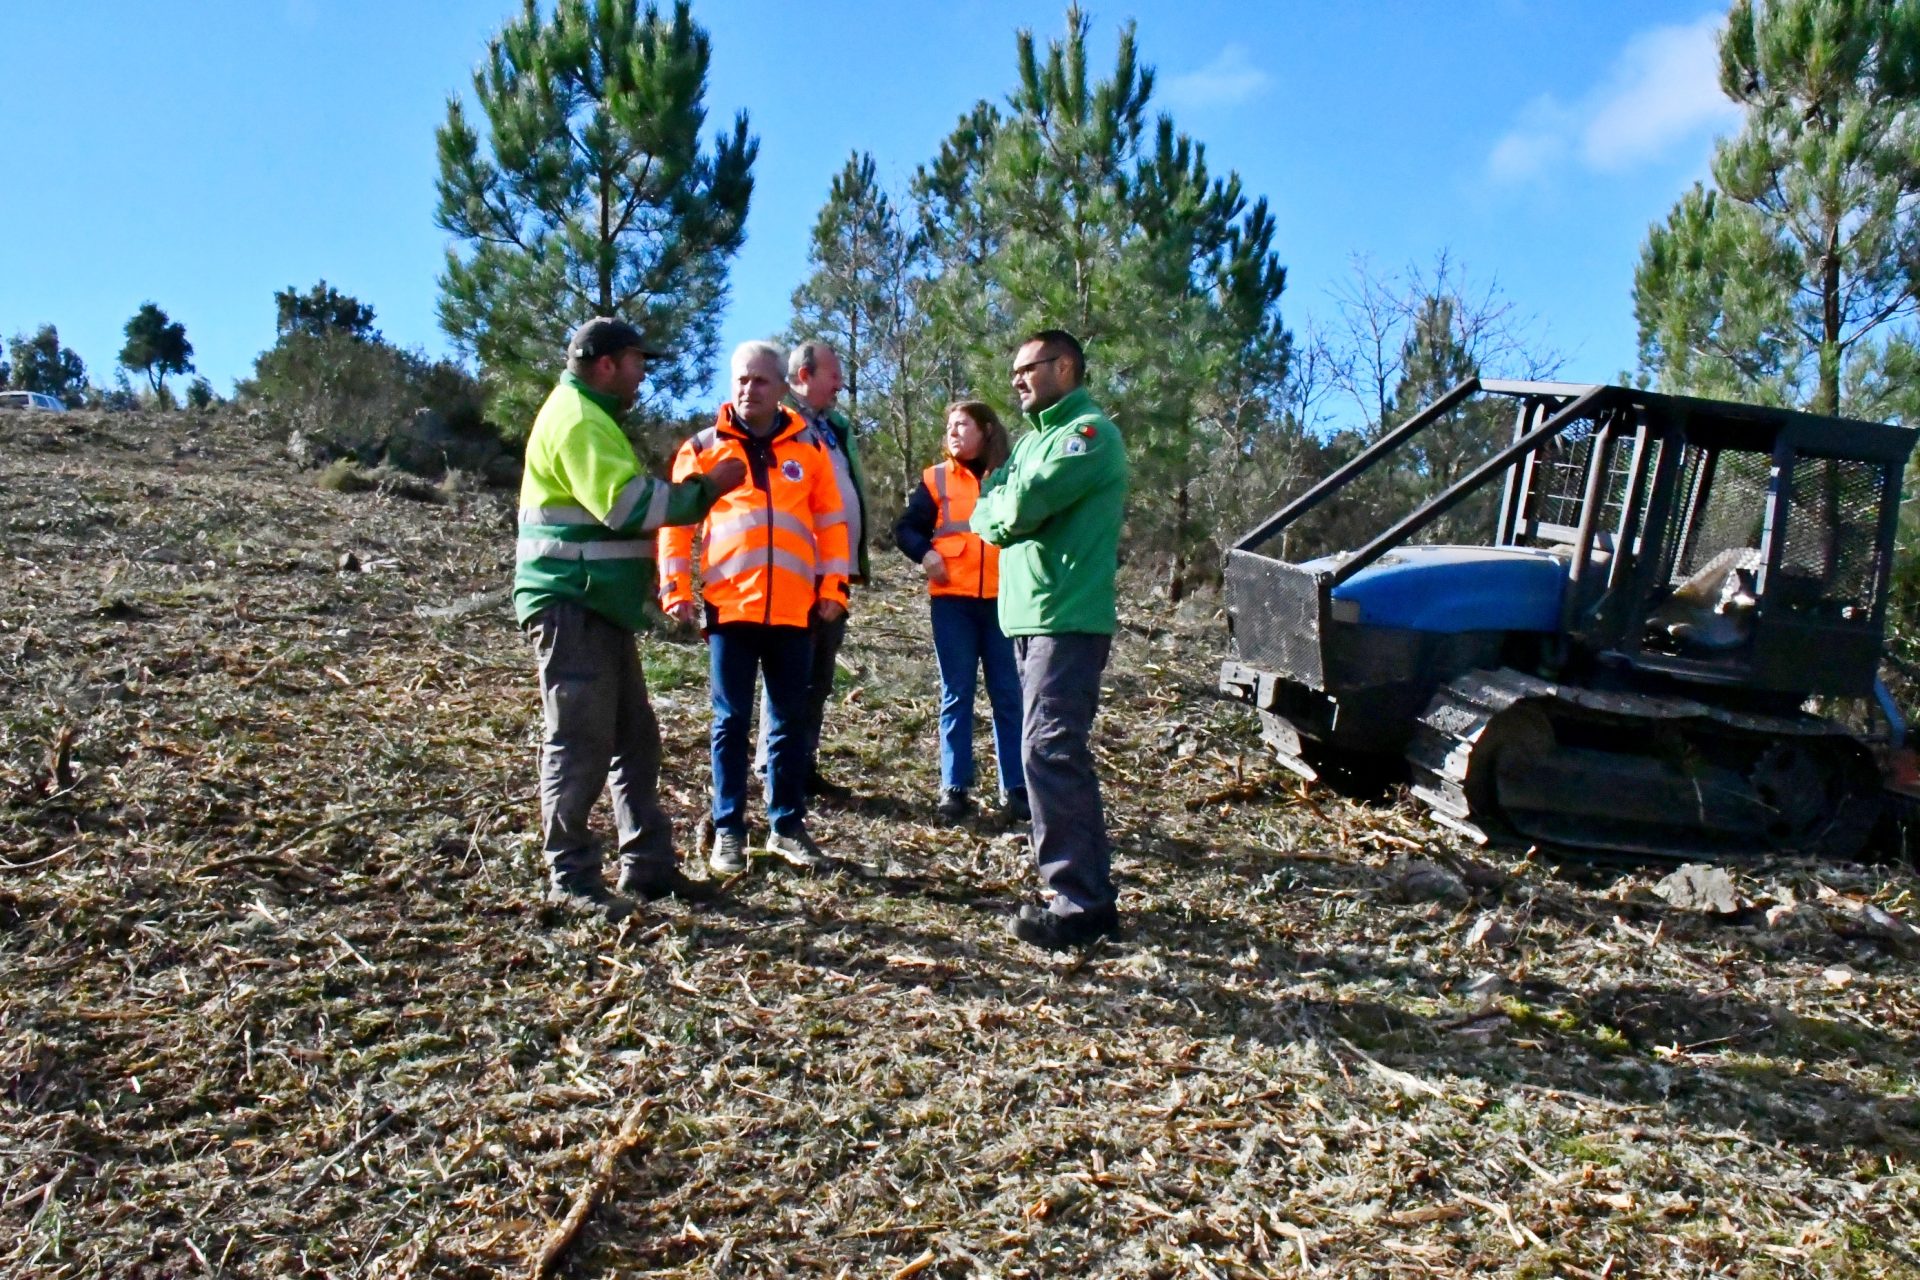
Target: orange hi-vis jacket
[(772, 546), (973, 566)]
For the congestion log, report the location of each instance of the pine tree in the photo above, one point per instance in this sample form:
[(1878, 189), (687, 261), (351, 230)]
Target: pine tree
[(856, 240), (156, 346), (323, 310), (591, 195), (861, 298), (1076, 209), (1779, 284)]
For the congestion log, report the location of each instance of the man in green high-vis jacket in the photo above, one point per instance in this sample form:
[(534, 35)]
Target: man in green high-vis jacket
[(1055, 510), (582, 585)]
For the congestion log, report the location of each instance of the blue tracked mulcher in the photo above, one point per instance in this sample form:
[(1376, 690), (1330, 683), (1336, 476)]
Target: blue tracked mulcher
[(1623, 661)]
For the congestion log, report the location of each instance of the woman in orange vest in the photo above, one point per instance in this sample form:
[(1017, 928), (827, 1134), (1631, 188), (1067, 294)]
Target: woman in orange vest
[(963, 579)]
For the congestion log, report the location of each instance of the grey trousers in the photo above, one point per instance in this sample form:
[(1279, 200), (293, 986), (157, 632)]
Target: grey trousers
[(1059, 694), (599, 729), (827, 639)]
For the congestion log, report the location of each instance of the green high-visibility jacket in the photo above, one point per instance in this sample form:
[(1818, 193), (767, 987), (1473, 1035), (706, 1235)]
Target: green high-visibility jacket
[(588, 513), (1055, 511), (851, 444)]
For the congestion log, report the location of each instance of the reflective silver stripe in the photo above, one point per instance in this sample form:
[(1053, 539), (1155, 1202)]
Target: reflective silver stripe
[(947, 523), (676, 564), (625, 501), (705, 440), (656, 508), (746, 522), (556, 515), (730, 527), (827, 522), (748, 561), (835, 565), (555, 549)]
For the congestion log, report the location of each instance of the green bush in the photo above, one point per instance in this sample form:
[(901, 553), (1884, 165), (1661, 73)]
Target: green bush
[(364, 397)]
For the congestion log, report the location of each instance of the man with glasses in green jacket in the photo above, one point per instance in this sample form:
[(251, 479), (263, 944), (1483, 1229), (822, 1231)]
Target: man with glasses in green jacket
[(1055, 510)]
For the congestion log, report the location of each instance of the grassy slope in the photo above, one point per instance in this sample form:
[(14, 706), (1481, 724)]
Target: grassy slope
[(279, 998)]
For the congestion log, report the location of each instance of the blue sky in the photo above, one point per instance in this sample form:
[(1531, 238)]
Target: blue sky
[(204, 155)]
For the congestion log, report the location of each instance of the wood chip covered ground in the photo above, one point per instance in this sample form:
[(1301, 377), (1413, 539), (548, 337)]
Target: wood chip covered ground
[(280, 997)]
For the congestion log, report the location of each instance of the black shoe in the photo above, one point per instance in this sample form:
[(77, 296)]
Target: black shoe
[(953, 804), (654, 884), (1039, 927), (590, 897), (1017, 808), (798, 850), (821, 787)]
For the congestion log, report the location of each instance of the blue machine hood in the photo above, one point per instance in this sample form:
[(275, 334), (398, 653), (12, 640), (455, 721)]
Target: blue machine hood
[(1454, 589)]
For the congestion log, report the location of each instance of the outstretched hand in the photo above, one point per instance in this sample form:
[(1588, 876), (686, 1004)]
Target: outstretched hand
[(727, 474)]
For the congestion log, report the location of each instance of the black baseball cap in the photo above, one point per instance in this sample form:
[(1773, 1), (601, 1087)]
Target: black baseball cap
[(606, 336)]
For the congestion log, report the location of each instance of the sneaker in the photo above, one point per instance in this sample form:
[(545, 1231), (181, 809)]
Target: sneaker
[(1017, 808), (1039, 927), (729, 854), (653, 884), (797, 849), (821, 787), (591, 898), (953, 803)]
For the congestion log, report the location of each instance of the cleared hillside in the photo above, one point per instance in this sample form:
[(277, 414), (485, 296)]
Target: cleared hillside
[(280, 999)]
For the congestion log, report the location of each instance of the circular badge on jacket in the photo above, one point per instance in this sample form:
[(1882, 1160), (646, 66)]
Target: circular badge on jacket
[(792, 470)]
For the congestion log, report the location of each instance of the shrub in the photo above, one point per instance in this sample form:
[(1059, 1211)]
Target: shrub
[(365, 397)]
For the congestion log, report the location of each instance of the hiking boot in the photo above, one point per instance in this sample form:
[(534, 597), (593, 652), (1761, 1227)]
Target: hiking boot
[(1039, 927), (797, 849), (655, 883), (729, 854), (1017, 809), (590, 897), (821, 787), (953, 804)]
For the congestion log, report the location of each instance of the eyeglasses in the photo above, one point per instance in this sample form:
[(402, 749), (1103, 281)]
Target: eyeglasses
[(1031, 365)]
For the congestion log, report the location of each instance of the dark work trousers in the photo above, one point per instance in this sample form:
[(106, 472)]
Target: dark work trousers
[(737, 652), (827, 639), (599, 729), (966, 641), (1059, 693)]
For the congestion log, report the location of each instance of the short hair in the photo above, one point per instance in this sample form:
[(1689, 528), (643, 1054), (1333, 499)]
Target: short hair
[(747, 352), (994, 445), (1062, 343), (805, 358)]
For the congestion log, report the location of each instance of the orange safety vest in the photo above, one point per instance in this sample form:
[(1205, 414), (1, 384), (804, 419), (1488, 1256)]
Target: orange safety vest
[(973, 566), (772, 546)]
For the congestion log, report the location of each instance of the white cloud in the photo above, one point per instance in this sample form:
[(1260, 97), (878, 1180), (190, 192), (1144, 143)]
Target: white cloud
[(1663, 90), (1229, 80)]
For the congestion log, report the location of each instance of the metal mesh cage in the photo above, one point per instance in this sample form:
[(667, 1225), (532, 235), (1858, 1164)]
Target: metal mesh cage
[(1721, 506), (1275, 609), (1557, 487), (1829, 567)]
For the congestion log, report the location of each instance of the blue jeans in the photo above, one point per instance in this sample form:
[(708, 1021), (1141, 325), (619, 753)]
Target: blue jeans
[(736, 652), (966, 638)]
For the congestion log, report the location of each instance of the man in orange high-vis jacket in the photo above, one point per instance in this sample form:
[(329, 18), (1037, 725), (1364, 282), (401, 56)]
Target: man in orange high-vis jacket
[(773, 560)]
